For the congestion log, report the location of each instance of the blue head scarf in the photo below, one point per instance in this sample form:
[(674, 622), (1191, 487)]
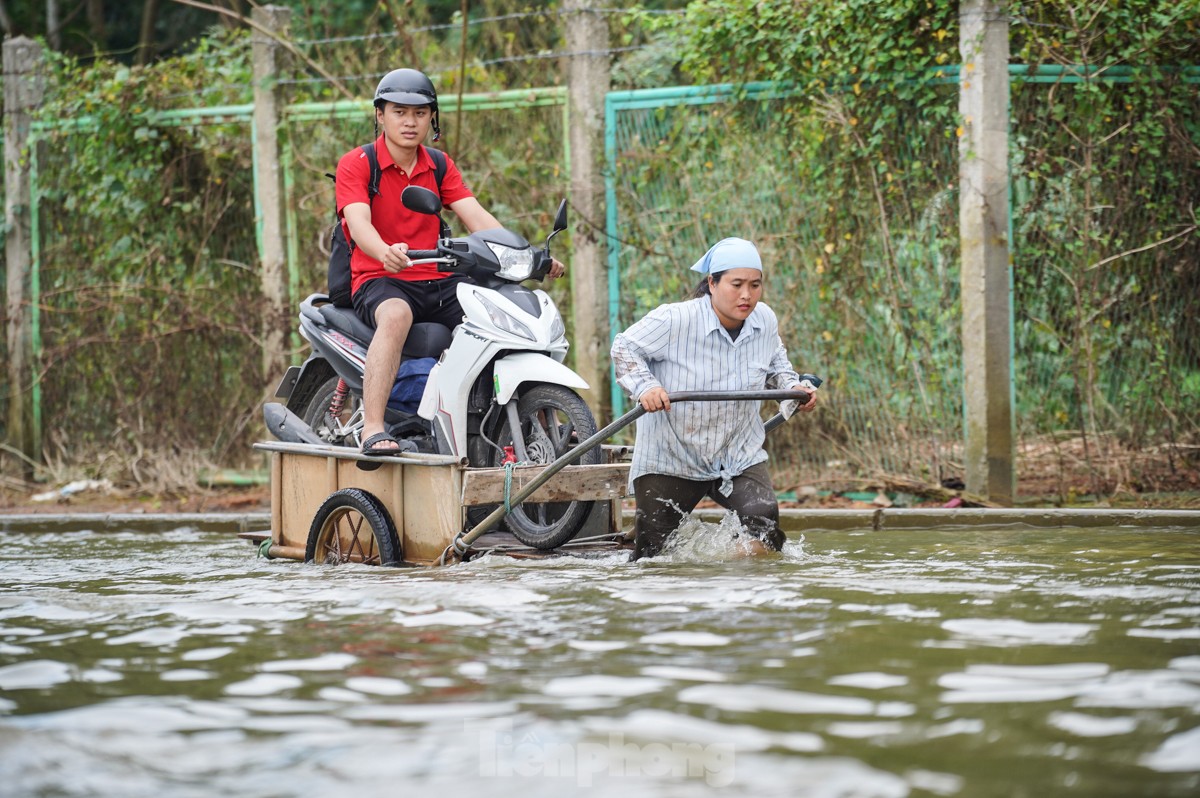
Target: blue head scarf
[(729, 253)]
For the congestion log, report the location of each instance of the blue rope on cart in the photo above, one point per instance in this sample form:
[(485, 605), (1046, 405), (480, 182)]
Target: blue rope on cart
[(508, 475), (508, 469)]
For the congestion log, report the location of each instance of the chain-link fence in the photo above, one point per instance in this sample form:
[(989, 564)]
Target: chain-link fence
[(1105, 181), (858, 227), (146, 331)]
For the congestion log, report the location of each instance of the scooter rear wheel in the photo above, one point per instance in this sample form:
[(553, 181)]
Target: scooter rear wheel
[(553, 420), (316, 414)]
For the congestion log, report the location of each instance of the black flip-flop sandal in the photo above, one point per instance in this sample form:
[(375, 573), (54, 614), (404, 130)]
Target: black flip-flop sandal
[(369, 445)]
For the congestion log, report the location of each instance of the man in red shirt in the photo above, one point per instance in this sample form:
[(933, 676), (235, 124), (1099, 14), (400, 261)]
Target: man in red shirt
[(388, 291)]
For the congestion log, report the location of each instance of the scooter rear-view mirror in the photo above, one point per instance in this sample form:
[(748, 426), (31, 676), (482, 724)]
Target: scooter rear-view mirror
[(560, 223), (560, 218), (421, 200)]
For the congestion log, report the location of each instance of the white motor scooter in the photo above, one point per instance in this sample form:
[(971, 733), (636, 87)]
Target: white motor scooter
[(500, 393)]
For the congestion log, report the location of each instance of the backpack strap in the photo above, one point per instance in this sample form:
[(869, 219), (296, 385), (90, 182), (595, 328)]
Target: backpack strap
[(439, 165), (376, 172), (439, 171), (372, 181), (437, 156)]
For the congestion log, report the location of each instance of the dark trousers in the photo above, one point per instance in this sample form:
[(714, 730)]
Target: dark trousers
[(663, 502)]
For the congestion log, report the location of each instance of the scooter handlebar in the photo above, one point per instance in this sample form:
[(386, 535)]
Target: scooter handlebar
[(423, 254)]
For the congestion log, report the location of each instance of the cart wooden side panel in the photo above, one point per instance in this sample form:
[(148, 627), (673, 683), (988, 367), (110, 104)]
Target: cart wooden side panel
[(304, 483), (585, 483), (429, 503)]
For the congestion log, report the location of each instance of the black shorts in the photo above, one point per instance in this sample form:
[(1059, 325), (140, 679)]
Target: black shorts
[(430, 300)]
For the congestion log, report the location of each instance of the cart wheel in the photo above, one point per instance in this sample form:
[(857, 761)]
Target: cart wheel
[(353, 526)]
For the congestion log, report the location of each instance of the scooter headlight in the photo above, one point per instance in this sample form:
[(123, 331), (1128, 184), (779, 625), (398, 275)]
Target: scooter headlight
[(558, 329), (515, 264), (504, 320)]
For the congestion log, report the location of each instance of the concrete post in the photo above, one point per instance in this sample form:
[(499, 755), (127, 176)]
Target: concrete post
[(23, 92), (588, 81), (984, 229), (268, 64)]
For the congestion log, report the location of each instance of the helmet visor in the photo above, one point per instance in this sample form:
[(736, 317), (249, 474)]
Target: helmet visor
[(404, 96)]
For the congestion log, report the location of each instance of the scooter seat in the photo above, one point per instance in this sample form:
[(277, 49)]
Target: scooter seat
[(425, 339), (346, 321)]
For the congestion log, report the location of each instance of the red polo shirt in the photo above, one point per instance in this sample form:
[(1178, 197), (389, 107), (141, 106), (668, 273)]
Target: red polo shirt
[(395, 223)]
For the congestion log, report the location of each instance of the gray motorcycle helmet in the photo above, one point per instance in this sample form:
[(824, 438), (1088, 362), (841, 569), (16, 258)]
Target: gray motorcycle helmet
[(409, 87)]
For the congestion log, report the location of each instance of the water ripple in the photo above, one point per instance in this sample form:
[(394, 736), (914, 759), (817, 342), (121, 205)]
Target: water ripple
[(943, 662)]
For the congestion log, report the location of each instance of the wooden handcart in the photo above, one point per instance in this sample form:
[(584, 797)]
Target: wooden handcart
[(412, 507)]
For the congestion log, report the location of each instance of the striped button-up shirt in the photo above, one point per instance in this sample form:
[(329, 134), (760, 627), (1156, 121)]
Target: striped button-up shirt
[(683, 347)]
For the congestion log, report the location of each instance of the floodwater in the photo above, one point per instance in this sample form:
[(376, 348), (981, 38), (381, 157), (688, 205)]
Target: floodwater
[(952, 662)]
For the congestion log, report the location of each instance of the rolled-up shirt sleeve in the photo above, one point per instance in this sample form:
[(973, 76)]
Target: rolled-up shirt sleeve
[(634, 350), (780, 374)]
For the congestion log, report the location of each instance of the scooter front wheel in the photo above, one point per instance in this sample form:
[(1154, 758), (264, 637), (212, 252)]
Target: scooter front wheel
[(553, 420)]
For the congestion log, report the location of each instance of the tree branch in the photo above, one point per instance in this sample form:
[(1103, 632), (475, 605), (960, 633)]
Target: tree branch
[(1159, 243), (285, 43), (146, 37)]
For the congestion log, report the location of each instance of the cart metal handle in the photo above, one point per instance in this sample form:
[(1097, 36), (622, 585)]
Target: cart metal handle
[(463, 541)]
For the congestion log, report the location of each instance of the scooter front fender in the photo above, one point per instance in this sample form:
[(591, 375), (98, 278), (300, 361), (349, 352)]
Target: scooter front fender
[(520, 367)]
